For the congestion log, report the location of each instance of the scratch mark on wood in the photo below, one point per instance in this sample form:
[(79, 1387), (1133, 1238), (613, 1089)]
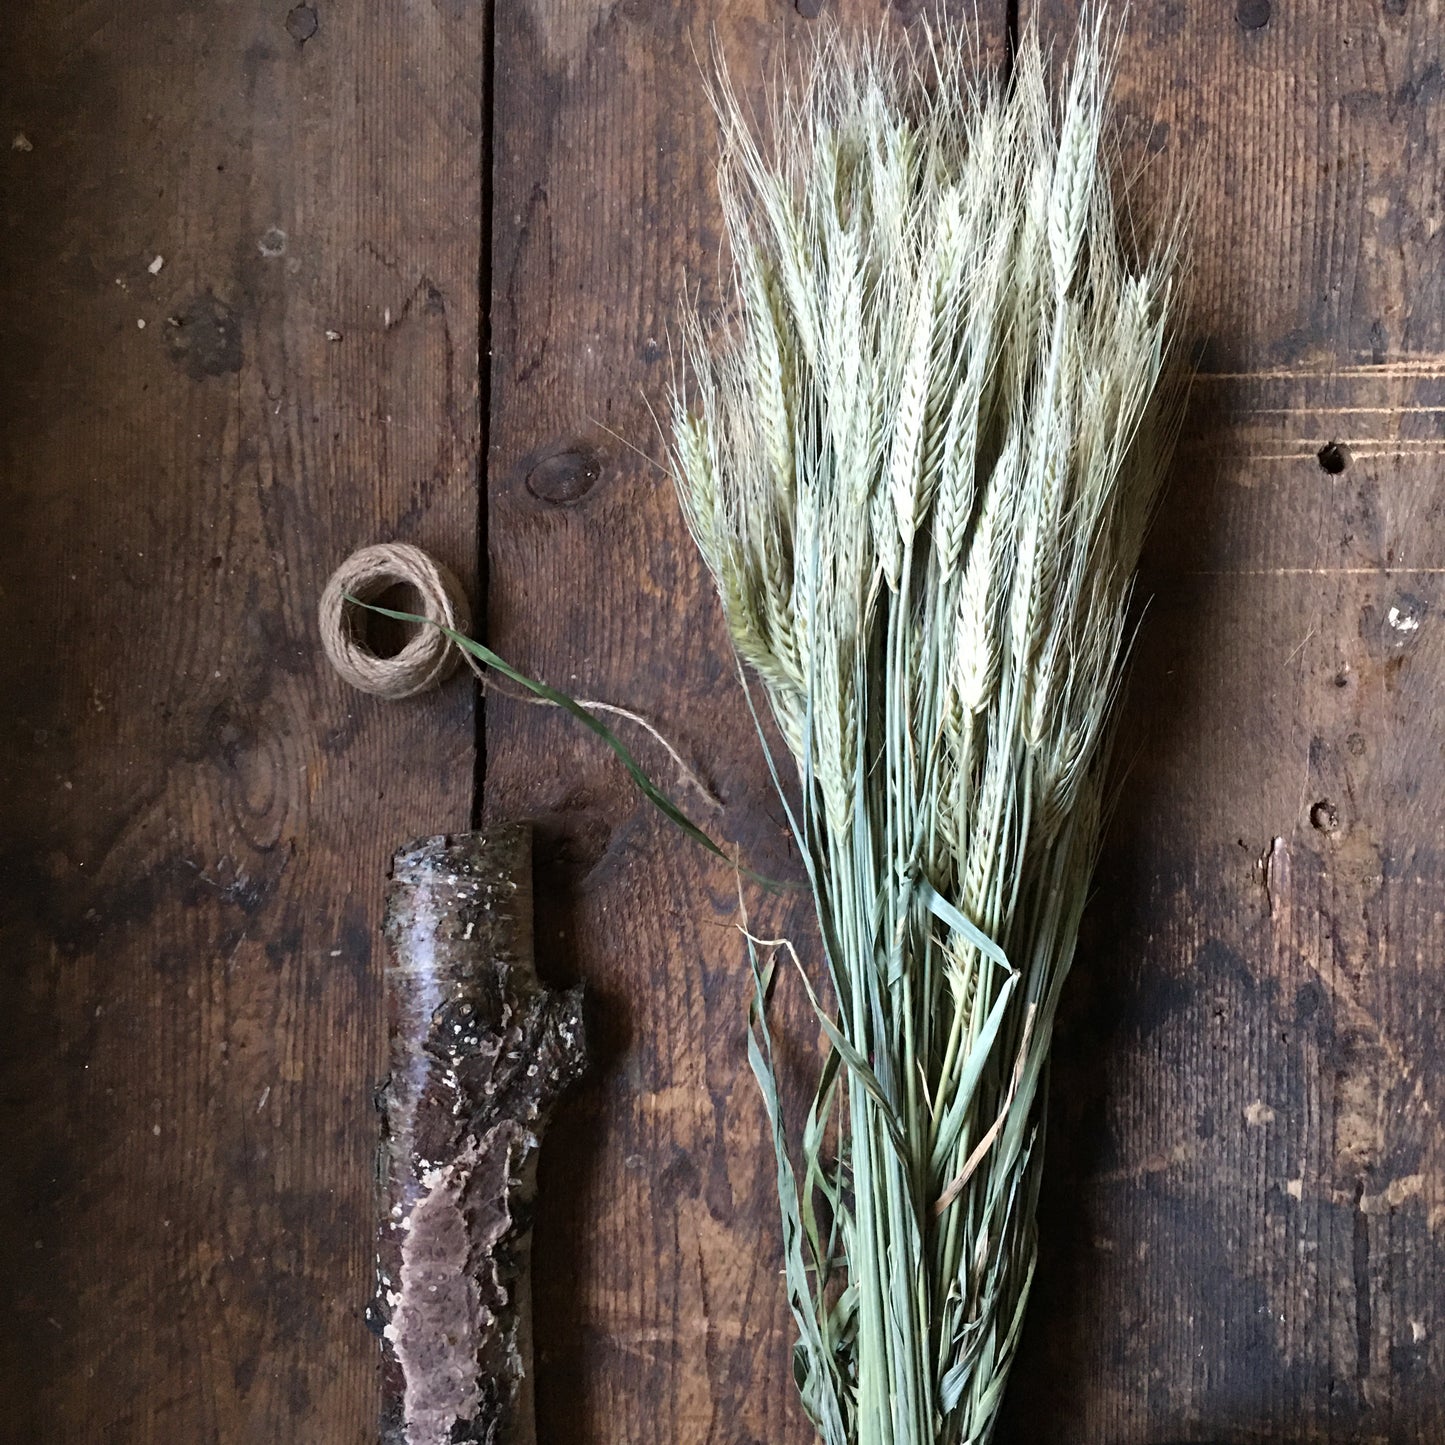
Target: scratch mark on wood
[(1364, 1325), (1274, 866), (1424, 365), (1319, 572)]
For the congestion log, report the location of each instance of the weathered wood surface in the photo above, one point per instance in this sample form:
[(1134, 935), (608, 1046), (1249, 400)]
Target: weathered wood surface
[(1245, 1220), (1242, 1233), (198, 815)]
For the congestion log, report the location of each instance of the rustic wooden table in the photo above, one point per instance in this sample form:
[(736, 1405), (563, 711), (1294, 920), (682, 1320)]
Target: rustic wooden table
[(278, 281)]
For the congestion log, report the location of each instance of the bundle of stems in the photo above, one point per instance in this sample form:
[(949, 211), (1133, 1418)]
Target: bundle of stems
[(918, 453)]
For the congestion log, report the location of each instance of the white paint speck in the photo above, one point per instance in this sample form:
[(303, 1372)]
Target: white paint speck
[(1417, 1332), (1258, 1113), (140, 323), (156, 1130), (1403, 621), (1295, 1188), (265, 1094), (155, 266)]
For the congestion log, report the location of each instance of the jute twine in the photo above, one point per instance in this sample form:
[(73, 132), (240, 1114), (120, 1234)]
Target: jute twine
[(429, 657)]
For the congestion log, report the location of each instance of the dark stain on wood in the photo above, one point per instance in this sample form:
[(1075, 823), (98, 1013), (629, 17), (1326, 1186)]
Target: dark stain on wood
[(203, 337)]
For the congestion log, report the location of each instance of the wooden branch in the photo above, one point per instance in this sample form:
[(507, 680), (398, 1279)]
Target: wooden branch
[(479, 1053)]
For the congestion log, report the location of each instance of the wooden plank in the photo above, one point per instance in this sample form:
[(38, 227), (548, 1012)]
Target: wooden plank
[(1245, 1217), (660, 1315), (199, 814)]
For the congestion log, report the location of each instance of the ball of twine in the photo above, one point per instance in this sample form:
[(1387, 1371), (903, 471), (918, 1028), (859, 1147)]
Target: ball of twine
[(428, 657)]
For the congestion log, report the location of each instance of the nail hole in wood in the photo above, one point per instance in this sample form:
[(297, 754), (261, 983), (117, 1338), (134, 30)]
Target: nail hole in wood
[(1253, 14), (1324, 818), (1333, 458)]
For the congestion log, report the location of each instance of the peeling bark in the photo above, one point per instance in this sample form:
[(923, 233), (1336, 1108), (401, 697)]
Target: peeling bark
[(479, 1053)]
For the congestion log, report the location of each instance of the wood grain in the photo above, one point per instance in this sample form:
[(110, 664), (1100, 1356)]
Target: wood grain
[(659, 1312), (239, 246), (1243, 1226), (1245, 1215)]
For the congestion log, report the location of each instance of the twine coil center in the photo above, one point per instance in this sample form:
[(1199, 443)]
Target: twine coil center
[(428, 657)]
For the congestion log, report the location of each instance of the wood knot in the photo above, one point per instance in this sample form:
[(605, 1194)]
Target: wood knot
[(302, 23), (563, 478)]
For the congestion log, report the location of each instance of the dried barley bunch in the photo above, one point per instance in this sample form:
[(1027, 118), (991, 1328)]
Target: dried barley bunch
[(919, 457)]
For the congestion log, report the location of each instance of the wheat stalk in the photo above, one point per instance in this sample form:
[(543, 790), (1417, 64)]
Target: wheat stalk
[(918, 460)]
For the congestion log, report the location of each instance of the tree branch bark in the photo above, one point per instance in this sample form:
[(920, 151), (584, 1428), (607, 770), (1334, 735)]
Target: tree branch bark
[(479, 1052)]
